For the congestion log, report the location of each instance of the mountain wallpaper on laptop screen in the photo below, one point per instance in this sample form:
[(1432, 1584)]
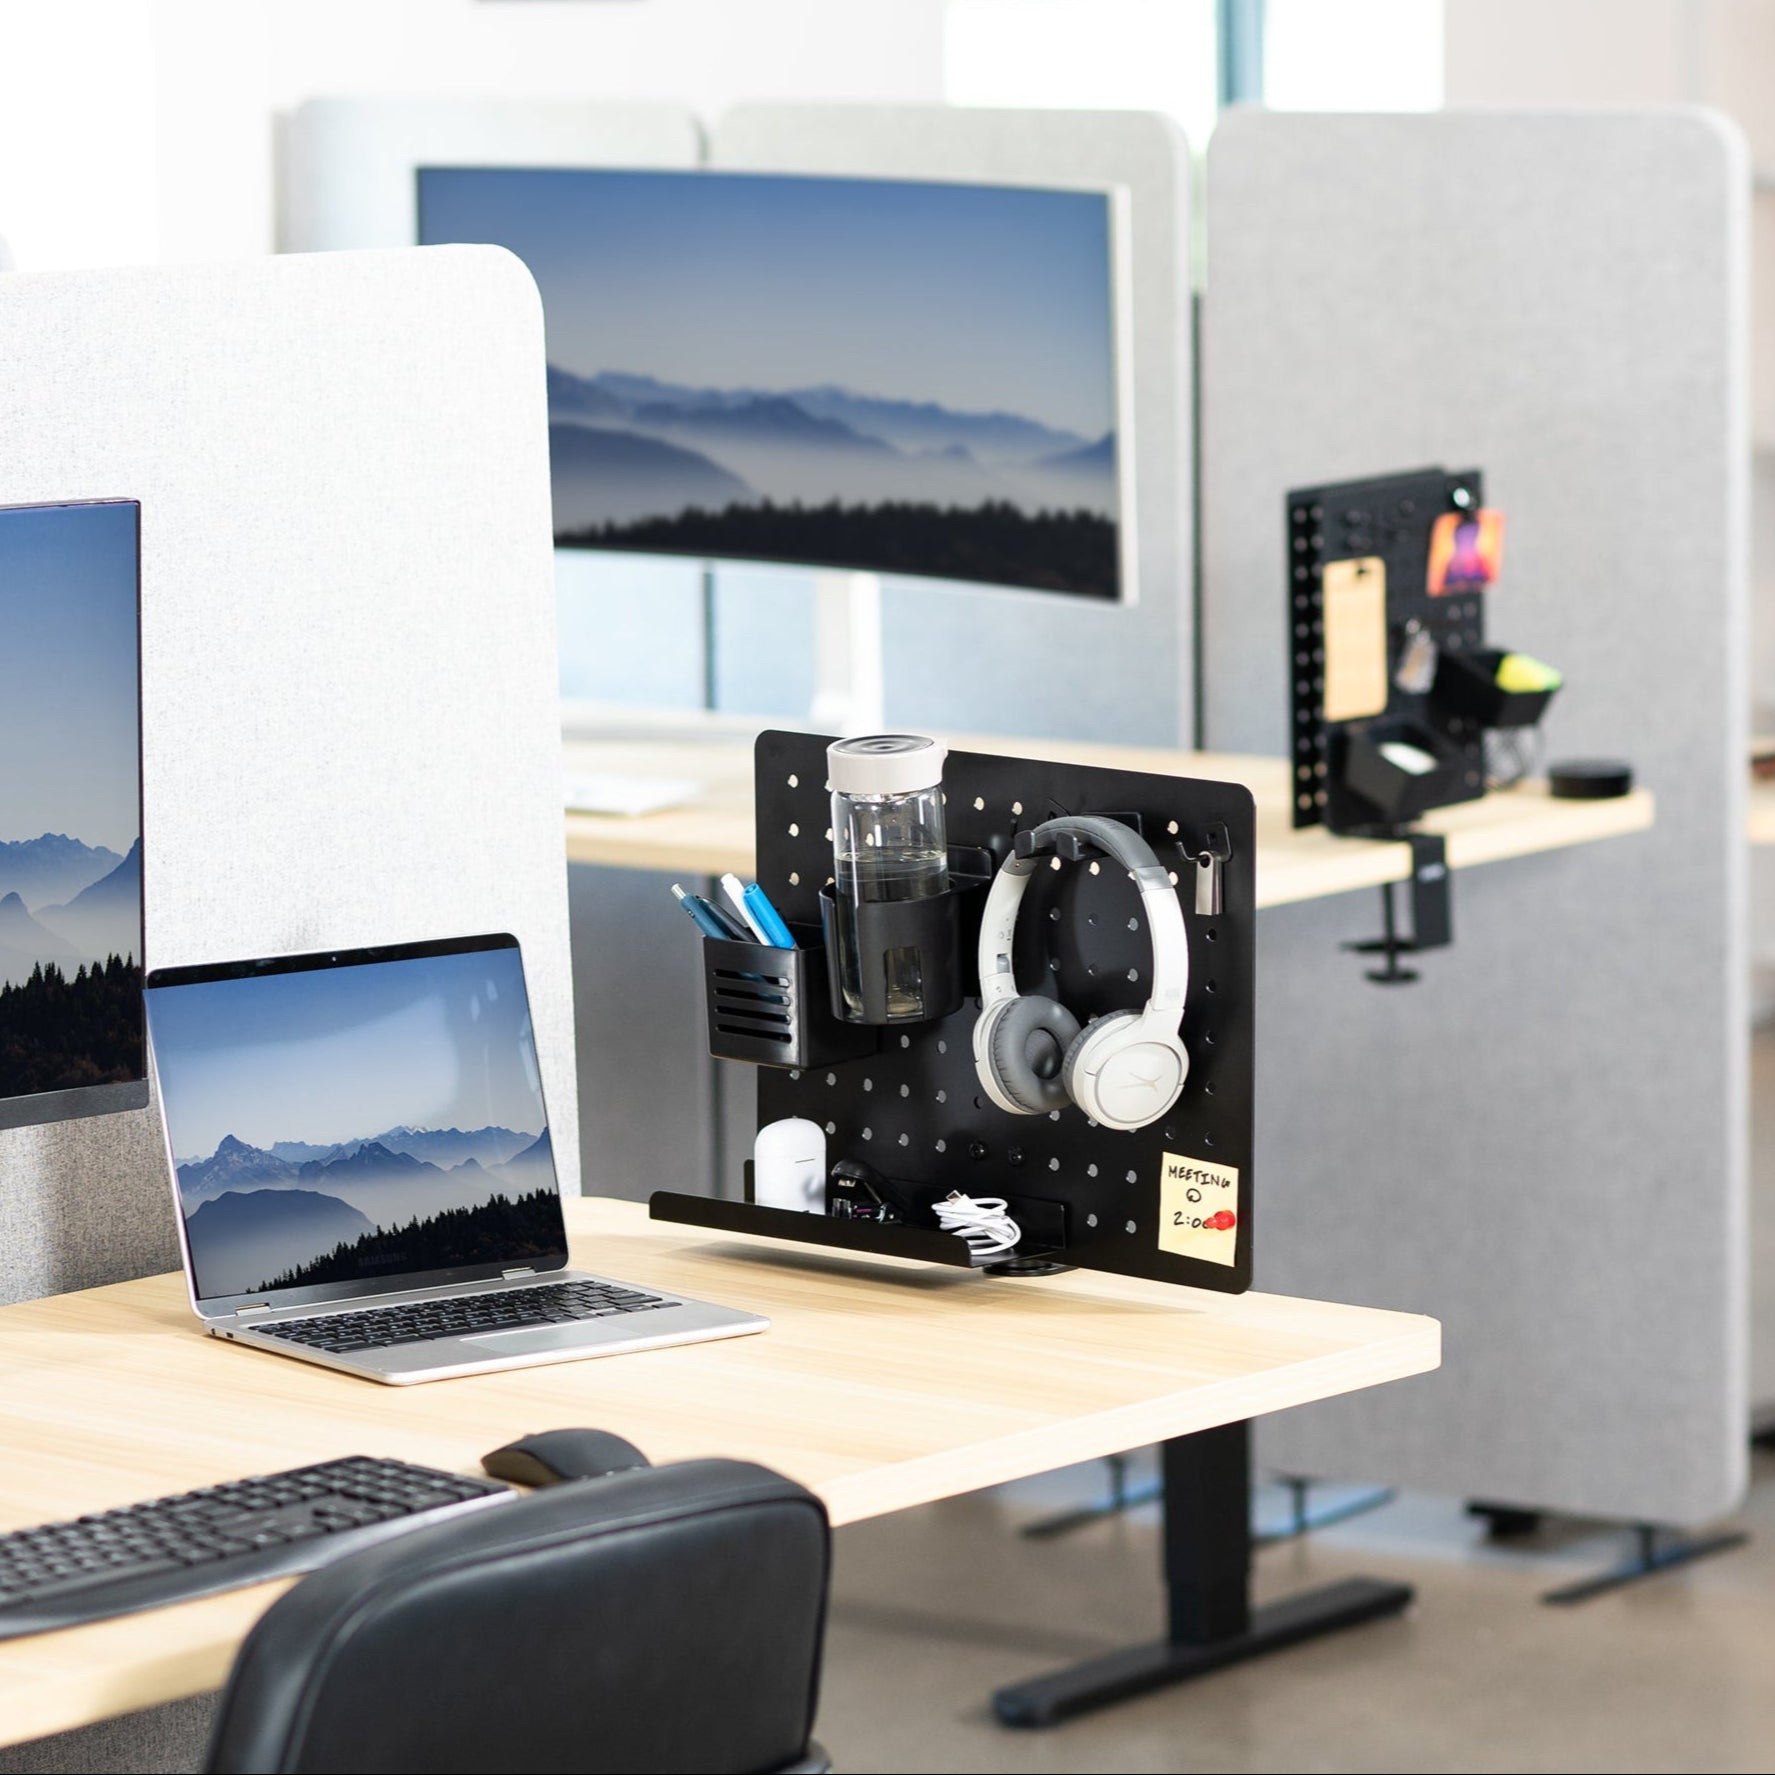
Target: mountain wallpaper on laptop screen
[(913, 378), (275, 1086), (70, 821), (255, 1221)]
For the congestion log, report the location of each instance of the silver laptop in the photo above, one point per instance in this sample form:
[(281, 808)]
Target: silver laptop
[(361, 1163)]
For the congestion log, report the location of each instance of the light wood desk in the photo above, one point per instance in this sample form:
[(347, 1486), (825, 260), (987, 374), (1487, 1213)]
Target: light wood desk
[(881, 1385), (1759, 813), (715, 833)]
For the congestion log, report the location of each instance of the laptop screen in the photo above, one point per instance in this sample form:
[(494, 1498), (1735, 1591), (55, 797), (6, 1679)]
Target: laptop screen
[(355, 1123)]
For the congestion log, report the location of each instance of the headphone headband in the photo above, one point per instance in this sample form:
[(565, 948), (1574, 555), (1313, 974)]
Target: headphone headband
[(1122, 844)]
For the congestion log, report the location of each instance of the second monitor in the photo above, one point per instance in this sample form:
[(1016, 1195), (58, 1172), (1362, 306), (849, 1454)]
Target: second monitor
[(71, 1035), (893, 376)]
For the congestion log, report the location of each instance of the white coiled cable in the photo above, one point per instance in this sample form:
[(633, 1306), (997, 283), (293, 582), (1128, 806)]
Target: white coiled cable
[(981, 1223)]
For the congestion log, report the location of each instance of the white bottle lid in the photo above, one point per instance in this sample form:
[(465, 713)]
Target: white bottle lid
[(885, 764)]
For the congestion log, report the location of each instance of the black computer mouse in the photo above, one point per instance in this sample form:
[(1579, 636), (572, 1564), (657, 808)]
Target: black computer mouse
[(551, 1456)]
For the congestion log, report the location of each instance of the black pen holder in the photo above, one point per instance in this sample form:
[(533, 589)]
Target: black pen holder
[(772, 1007), (1467, 685), (1398, 794)]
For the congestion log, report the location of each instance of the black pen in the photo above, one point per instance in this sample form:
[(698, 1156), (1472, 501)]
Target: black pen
[(710, 919)]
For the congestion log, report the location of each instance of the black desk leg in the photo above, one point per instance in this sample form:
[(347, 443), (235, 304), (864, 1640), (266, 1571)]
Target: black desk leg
[(1211, 1622)]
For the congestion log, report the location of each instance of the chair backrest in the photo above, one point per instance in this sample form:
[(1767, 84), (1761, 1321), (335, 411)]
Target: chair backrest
[(667, 1618)]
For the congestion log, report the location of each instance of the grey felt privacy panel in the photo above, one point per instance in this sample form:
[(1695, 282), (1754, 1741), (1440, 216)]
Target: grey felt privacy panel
[(348, 664), (991, 661), (1542, 1143)]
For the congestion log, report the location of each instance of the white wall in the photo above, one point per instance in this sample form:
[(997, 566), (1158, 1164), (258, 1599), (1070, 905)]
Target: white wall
[(1573, 52), (134, 130), (1641, 52)]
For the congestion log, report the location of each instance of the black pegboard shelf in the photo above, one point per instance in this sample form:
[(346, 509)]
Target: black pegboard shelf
[(914, 1110), (884, 1239)]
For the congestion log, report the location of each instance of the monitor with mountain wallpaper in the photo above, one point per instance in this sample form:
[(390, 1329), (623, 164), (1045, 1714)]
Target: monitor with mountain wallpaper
[(71, 1031), (880, 375), (338, 1120)]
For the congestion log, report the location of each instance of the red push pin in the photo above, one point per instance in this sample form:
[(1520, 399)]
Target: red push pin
[(1221, 1221)]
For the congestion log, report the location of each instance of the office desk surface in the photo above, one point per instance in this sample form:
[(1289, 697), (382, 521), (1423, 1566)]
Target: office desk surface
[(715, 834), (1760, 812), (880, 1384)]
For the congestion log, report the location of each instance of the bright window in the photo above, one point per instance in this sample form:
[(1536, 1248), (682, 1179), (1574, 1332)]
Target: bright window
[(1353, 55), (1113, 55)]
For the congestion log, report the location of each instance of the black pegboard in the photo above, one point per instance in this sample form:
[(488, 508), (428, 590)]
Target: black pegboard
[(1390, 516), (914, 1110)]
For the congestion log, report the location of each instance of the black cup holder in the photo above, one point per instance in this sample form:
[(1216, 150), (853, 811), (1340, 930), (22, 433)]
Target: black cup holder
[(919, 939), (772, 1007)]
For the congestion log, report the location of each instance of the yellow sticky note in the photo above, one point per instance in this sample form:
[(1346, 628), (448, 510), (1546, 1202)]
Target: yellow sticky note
[(1199, 1209), (1354, 601)]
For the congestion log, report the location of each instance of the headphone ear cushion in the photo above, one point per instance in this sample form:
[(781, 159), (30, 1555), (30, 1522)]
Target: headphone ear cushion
[(1075, 1053), (1027, 1051)]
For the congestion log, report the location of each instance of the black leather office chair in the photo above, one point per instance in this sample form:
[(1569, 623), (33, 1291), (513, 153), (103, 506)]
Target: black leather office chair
[(668, 1619)]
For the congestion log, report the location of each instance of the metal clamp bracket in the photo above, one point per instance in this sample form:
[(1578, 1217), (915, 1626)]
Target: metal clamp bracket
[(1432, 911)]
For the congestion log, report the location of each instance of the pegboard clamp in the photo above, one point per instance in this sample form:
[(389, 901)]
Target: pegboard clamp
[(1432, 911)]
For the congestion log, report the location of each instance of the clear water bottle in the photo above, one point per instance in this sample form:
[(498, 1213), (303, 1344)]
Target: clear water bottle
[(888, 844)]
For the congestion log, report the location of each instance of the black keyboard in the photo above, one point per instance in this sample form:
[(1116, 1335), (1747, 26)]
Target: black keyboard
[(463, 1315), (221, 1538)]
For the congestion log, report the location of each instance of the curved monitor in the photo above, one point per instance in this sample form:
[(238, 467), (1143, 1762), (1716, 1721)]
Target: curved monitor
[(908, 377), (71, 1026)]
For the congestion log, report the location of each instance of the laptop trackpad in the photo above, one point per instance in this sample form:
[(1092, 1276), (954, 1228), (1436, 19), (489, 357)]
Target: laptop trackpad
[(538, 1337)]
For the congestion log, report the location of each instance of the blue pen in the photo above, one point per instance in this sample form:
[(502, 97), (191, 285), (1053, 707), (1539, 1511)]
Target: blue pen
[(767, 918), (708, 920)]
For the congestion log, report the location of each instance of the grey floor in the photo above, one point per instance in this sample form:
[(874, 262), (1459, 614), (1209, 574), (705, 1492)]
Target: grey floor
[(934, 1608)]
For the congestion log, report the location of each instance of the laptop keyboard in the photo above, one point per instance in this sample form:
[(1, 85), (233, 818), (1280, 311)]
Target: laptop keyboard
[(463, 1315)]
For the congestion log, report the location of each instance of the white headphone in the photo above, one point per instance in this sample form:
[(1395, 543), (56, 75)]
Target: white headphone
[(1123, 1069)]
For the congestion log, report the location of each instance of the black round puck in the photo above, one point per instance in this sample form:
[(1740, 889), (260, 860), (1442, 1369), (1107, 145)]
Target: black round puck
[(1589, 779)]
